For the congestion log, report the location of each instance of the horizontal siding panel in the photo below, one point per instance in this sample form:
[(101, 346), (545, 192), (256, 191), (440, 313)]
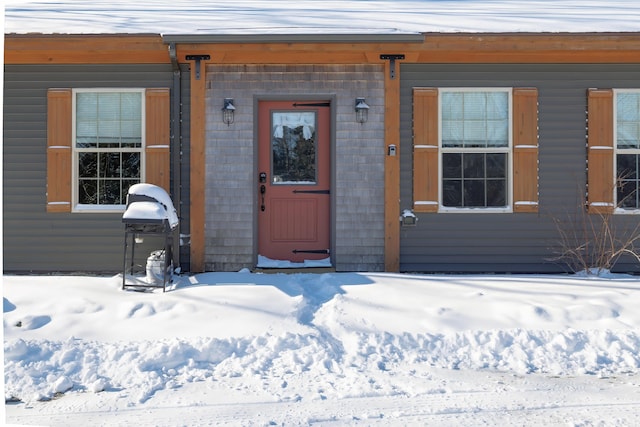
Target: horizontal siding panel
[(479, 268), (499, 247), (16, 198), (24, 112), (29, 130), (477, 259), (69, 229), (16, 159), (473, 242)]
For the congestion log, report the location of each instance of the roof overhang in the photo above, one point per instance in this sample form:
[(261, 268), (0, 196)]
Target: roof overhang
[(293, 38)]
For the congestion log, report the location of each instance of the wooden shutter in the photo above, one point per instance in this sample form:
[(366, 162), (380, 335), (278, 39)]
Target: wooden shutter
[(59, 119), (600, 151), (425, 150), (157, 130), (525, 150)]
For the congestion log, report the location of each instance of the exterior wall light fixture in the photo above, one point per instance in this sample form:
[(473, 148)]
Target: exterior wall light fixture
[(228, 110), (362, 111)]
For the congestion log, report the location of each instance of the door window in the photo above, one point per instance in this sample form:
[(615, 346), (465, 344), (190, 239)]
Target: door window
[(293, 147)]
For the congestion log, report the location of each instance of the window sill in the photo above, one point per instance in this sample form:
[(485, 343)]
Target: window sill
[(630, 211), (444, 209), (98, 209)]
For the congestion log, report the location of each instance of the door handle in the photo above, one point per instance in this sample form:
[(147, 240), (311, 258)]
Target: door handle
[(263, 189)]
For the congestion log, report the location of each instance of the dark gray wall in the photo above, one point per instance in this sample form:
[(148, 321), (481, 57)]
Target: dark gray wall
[(34, 240), (467, 242)]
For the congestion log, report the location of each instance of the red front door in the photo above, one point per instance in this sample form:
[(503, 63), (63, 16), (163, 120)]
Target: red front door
[(294, 180)]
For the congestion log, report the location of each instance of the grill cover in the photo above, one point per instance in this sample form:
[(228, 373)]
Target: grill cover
[(149, 208)]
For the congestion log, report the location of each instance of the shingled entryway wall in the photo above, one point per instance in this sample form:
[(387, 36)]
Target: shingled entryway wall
[(357, 157)]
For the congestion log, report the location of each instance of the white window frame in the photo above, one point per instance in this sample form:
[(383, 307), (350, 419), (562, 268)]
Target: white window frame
[(616, 151), (508, 208), (84, 208)]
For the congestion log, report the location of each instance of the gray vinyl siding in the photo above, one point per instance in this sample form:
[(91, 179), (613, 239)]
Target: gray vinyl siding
[(34, 240), (468, 242)]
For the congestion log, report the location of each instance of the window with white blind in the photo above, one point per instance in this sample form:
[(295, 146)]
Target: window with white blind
[(108, 147)]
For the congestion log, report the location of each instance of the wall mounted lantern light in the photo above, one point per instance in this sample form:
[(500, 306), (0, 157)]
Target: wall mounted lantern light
[(228, 110), (362, 111)]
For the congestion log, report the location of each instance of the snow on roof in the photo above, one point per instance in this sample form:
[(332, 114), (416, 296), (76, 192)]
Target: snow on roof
[(319, 17)]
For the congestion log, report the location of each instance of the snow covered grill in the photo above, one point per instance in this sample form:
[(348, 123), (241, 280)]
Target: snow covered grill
[(149, 211), (149, 208)]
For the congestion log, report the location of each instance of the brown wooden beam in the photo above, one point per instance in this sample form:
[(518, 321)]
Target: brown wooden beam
[(85, 49), (392, 169), (437, 48), (197, 168)]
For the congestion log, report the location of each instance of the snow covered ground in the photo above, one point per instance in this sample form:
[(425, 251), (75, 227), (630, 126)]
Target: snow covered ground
[(323, 349)]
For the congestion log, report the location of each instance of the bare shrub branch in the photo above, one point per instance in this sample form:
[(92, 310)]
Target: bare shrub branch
[(594, 243)]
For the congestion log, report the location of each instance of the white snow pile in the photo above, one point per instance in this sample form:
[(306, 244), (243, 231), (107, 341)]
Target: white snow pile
[(292, 338), (319, 17)]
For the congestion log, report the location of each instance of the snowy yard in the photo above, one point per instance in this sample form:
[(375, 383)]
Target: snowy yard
[(323, 349)]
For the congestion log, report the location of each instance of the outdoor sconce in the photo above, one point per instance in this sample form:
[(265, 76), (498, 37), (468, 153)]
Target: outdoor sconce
[(228, 110), (362, 111)]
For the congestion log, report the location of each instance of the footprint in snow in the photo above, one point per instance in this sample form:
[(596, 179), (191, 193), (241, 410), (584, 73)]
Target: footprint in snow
[(141, 310)]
